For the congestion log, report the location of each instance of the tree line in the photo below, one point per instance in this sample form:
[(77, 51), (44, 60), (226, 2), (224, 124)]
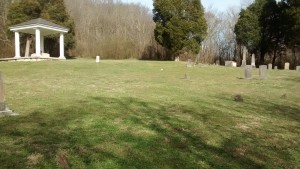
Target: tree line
[(117, 30)]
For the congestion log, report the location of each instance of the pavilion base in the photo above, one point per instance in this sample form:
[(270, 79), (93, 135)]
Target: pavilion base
[(30, 59)]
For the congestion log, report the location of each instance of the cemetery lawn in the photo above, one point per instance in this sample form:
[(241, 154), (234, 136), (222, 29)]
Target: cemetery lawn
[(133, 114)]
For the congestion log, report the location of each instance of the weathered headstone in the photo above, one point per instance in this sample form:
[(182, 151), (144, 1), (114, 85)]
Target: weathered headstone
[(287, 66), (276, 67), (270, 66), (218, 62), (189, 63), (4, 110), (177, 59), (263, 72), (230, 64), (2, 100), (97, 59), (298, 68), (244, 62), (248, 72), (253, 61)]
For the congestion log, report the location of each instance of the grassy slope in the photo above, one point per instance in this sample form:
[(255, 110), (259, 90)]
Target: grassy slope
[(130, 114)]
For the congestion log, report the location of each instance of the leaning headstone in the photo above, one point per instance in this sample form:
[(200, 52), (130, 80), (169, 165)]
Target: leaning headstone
[(253, 61), (287, 66), (189, 63), (298, 68), (263, 72), (270, 66), (3, 108), (248, 72), (97, 59), (276, 67)]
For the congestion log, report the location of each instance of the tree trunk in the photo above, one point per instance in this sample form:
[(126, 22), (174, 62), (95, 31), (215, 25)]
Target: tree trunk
[(28, 43)]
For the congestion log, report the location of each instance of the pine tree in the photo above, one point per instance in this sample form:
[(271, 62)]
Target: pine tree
[(180, 25)]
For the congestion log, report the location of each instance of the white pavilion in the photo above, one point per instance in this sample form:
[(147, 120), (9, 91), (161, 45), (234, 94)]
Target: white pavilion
[(40, 28)]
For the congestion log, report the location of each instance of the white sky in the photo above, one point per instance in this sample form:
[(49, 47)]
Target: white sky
[(221, 5)]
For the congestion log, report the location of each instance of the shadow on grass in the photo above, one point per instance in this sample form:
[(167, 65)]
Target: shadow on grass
[(129, 133)]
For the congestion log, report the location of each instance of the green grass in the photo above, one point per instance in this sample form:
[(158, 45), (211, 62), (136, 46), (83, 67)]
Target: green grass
[(130, 114)]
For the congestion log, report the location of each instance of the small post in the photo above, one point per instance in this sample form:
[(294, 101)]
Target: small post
[(97, 59), (263, 72), (248, 72)]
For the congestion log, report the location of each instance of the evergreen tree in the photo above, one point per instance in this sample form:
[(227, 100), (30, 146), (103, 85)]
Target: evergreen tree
[(180, 25), (257, 27)]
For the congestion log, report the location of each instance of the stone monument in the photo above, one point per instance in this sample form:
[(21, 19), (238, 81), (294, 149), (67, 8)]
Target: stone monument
[(230, 64), (287, 66), (4, 110), (253, 61), (244, 62), (276, 67), (97, 59), (248, 72), (298, 68), (270, 66), (263, 72), (189, 63)]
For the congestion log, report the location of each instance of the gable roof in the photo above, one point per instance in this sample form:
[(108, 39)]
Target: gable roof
[(38, 21)]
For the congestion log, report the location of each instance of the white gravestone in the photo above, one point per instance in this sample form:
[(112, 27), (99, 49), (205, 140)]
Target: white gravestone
[(97, 59), (287, 66), (253, 61)]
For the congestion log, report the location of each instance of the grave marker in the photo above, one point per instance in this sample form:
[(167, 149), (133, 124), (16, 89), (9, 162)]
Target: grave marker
[(263, 72), (298, 68), (253, 61), (287, 66), (248, 72), (270, 66), (4, 110), (97, 59), (189, 63), (244, 62)]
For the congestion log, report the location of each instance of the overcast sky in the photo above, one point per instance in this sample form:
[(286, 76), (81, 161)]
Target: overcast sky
[(220, 5)]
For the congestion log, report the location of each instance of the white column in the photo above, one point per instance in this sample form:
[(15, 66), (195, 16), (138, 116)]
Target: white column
[(17, 45), (61, 46), (38, 42), (42, 44)]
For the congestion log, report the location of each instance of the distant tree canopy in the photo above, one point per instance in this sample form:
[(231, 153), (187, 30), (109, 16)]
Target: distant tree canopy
[(269, 27), (52, 10), (180, 25)]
